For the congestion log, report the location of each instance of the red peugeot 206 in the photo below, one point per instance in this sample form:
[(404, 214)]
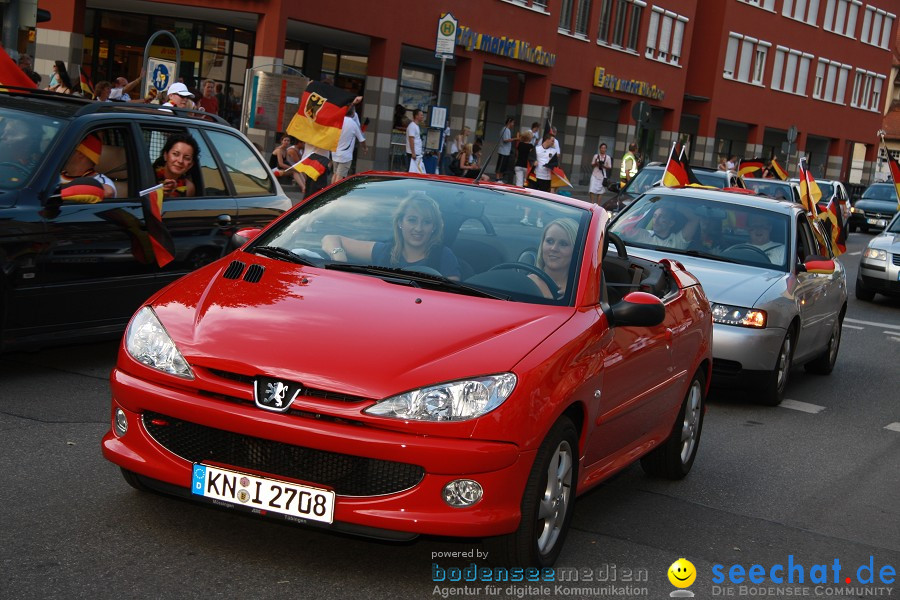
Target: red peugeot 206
[(404, 355)]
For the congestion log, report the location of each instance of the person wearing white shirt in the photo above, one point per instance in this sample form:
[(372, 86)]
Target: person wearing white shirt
[(544, 152), (760, 229), (343, 155), (414, 142), (668, 230)]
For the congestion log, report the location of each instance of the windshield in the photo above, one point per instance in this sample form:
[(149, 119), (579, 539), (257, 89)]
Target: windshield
[(770, 188), (894, 226), (510, 245), (716, 230), (880, 192), (23, 139)]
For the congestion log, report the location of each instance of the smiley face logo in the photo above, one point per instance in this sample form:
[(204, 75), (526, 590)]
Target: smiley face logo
[(682, 573)]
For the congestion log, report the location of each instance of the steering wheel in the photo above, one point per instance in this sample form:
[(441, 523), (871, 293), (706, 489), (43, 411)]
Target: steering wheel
[(617, 242), (750, 247), (551, 285), (15, 166)]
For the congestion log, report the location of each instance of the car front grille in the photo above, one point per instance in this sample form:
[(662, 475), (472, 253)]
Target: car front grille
[(896, 259), (347, 475)]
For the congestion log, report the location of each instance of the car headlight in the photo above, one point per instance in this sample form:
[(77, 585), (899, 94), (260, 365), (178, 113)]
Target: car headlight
[(875, 254), (738, 315), (148, 342), (453, 401), (856, 211)]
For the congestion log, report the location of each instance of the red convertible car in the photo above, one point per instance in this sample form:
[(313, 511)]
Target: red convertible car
[(401, 355)]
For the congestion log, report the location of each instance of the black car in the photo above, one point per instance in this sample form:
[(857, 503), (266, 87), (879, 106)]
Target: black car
[(875, 208), (77, 271), (652, 175)]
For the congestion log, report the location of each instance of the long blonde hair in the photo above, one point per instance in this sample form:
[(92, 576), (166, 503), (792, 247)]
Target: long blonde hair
[(428, 207), (568, 225)]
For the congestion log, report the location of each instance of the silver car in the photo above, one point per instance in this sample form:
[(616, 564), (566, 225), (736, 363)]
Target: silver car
[(879, 266), (778, 297)]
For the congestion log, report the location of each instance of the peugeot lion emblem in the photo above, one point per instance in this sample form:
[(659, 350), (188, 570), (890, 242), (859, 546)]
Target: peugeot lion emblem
[(273, 394)]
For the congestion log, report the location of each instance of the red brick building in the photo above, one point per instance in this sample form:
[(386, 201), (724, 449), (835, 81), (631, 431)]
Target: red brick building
[(729, 76)]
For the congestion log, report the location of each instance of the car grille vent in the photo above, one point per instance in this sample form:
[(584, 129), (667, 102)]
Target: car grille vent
[(254, 273), (896, 259), (304, 391), (234, 270), (347, 475)]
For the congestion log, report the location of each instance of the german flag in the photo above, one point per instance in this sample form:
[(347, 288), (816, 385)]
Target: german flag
[(321, 115), (11, 74), (141, 248), (810, 193), (674, 175), (83, 190), (87, 88), (160, 238), (748, 167), (530, 177), (895, 175), (834, 224), (558, 178), (781, 173), (692, 179), (313, 166)]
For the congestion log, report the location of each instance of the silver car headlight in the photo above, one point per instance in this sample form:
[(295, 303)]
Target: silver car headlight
[(453, 401), (875, 254), (738, 315), (148, 342)]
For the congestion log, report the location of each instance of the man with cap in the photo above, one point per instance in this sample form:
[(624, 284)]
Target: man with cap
[(178, 95), (79, 182)]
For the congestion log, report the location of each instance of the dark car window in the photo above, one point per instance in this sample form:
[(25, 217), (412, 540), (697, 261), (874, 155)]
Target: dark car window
[(213, 182), (113, 166), (879, 192), (155, 141), (249, 175)]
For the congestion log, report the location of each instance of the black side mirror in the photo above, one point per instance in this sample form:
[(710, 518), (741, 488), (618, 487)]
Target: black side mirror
[(638, 309)]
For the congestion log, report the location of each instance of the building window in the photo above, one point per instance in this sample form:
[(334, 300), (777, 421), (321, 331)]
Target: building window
[(576, 22), (876, 27), (790, 70), (745, 59), (801, 10), (665, 36), (867, 90), (766, 4), (840, 16), (620, 23), (831, 81)]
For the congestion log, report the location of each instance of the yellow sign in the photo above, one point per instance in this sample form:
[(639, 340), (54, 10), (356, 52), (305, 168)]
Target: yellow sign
[(604, 80)]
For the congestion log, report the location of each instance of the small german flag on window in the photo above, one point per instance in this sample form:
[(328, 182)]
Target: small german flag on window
[(160, 238)]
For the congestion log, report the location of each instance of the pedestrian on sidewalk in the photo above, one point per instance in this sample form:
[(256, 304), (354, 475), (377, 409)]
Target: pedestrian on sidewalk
[(602, 164)]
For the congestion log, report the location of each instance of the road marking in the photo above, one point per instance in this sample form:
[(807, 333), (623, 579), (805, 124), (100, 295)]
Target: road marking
[(845, 326), (802, 406), (893, 427), (853, 253), (872, 323)]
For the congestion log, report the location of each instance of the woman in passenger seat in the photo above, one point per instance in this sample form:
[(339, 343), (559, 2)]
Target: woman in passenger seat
[(555, 255), (174, 163)]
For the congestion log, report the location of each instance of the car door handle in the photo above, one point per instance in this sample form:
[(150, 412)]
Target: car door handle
[(223, 220)]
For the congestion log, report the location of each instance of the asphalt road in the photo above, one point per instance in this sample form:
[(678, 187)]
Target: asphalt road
[(812, 482)]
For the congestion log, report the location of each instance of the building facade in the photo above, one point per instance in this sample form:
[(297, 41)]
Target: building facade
[(727, 76)]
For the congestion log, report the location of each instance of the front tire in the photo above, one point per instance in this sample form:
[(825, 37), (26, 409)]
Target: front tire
[(674, 458), (862, 292), (774, 383), (824, 363), (134, 481), (547, 503)]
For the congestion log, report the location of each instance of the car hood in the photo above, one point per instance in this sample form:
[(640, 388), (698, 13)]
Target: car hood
[(346, 332), (886, 241), (883, 206), (724, 283)]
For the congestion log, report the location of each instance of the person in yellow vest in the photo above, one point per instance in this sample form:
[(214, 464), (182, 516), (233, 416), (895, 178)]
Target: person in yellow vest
[(629, 166)]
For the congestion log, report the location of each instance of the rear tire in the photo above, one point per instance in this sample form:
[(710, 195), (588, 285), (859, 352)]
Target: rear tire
[(547, 503), (775, 381), (674, 458), (824, 363)]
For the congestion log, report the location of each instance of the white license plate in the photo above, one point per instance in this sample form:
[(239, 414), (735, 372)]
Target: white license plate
[(263, 494), (877, 222)]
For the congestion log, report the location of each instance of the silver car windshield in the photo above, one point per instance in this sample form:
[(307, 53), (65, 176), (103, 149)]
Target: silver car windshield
[(716, 230)]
